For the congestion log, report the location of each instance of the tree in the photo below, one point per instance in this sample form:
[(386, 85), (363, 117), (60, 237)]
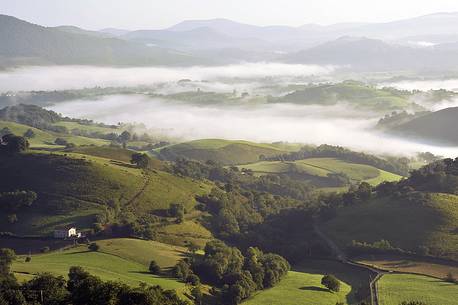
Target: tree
[(193, 247), (331, 282), (5, 131), (141, 160), (193, 279), (7, 256), (29, 134), (177, 210), (182, 270), (61, 141), (154, 268), (94, 247), (53, 290), (124, 137), (14, 144), (197, 295)]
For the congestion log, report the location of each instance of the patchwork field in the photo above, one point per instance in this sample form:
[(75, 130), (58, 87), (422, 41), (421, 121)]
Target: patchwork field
[(432, 267), (322, 167), (396, 288)]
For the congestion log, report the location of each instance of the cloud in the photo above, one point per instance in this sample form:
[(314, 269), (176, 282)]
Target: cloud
[(335, 125), (77, 77), (425, 85)]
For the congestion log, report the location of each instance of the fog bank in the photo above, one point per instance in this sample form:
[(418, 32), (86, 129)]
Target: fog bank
[(336, 125), (77, 77)]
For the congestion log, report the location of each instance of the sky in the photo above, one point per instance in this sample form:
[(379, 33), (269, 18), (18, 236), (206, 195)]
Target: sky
[(156, 14)]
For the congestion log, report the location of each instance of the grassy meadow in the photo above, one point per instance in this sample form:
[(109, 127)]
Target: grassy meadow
[(396, 288), (124, 260)]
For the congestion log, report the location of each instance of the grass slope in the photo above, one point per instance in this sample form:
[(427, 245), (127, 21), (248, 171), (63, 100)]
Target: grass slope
[(299, 288), (321, 167), (396, 288), (303, 285), (224, 151), (73, 188), (45, 139), (407, 226), (124, 260)]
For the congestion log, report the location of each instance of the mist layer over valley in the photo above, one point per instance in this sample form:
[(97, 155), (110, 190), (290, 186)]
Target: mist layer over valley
[(263, 102)]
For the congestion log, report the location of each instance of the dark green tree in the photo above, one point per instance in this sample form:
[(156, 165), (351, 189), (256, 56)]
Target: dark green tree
[(331, 282), (141, 160)]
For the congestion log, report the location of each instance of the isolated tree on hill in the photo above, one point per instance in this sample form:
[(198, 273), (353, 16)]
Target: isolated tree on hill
[(177, 210), (141, 160), (29, 134), (331, 282), (124, 137), (154, 267), (60, 141), (94, 247)]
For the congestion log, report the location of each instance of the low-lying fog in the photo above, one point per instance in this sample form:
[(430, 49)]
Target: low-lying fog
[(335, 125), (78, 77), (338, 125)]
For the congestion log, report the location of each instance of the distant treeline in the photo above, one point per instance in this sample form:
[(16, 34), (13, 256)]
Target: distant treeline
[(391, 164), (41, 118)]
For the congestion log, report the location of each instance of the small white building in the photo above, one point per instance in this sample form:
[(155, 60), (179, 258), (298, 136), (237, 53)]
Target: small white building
[(66, 232)]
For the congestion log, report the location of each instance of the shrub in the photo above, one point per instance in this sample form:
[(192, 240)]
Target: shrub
[(94, 247), (193, 280), (154, 267), (331, 282), (60, 141), (28, 259)]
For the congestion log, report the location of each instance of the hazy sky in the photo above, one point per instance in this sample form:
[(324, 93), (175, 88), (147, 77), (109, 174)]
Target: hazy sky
[(134, 14)]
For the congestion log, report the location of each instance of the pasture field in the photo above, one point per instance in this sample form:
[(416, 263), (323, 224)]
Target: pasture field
[(322, 167), (302, 286), (74, 188), (299, 288), (45, 139), (187, 231), (431, 267), (226, 152), (110, 265), (88, 128), (396, 288), (404, 225)]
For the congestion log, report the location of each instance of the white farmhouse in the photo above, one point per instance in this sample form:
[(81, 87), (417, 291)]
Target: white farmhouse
[(66, 232)]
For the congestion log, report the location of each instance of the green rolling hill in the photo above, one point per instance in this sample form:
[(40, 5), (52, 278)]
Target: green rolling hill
[(75, 188), (405, 225), (318, 170), (226, 152)]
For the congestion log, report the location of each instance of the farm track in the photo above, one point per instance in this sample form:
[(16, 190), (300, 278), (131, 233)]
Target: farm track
[(340, 255)]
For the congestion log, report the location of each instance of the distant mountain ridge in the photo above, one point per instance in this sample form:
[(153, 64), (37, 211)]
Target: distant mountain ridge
[(24, 43)]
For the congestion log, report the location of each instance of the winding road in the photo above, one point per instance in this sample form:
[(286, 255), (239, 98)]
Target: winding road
[(341, 256)]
